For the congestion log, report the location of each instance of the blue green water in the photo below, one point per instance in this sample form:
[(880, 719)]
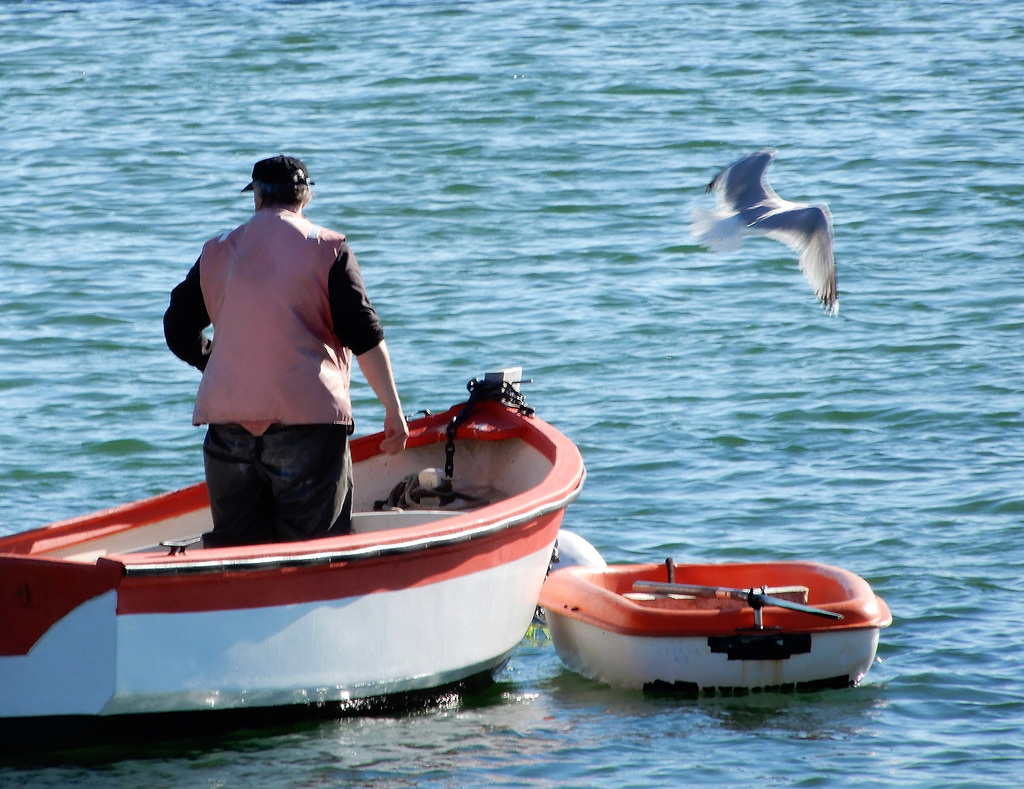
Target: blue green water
[(515, 178)]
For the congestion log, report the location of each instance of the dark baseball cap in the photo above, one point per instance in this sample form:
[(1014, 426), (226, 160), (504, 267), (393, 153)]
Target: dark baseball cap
[(280, 170)]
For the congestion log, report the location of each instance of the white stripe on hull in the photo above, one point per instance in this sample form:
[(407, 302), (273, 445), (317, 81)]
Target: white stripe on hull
[(70, 670)]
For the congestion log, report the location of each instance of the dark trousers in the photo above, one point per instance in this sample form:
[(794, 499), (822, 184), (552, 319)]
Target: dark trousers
[(294, 482)]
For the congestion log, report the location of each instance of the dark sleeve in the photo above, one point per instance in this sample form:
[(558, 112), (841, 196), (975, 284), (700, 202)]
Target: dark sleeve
[(355, 321), (185, 321)]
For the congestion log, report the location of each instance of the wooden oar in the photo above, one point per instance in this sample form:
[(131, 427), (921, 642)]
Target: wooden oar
[(755, 599)]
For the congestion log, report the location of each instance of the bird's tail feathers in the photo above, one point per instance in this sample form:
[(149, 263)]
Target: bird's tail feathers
[(717, 232)]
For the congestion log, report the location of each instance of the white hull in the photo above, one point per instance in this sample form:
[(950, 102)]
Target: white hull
[(100, 624), (97, 663), (636, 662)]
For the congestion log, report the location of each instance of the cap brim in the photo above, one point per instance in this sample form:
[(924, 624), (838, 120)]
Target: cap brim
[(247, 188)]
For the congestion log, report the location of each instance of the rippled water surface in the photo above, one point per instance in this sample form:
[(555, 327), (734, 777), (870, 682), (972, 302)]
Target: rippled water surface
[(515, 179)]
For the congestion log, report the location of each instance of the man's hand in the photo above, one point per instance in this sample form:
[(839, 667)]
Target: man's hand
[(396, 433)]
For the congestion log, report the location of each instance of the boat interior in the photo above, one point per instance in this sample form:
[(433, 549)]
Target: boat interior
[(484, 472)]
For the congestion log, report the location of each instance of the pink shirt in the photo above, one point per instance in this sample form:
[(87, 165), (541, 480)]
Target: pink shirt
[(275, 356)]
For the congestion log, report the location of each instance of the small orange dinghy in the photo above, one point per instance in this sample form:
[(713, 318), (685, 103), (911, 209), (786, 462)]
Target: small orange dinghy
[(706, 629)]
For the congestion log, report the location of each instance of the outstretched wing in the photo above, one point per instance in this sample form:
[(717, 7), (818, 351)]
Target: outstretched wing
[(807, 230), (743, 183)]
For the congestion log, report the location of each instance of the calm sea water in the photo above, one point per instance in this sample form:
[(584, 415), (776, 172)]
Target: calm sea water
[(515, 178)]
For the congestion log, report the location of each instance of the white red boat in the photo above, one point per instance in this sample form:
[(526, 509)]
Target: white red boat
[(709, 629), (119, 616)]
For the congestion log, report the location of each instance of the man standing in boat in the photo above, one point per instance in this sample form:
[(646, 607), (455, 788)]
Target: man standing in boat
[(289, 310)]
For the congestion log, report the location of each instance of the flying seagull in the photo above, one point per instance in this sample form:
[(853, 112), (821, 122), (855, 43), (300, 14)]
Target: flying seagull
[(746, 205)]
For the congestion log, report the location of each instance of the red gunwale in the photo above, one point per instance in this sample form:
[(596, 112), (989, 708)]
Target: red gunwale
[(104, 523), (595, 596), (287, 573), (184, 594), (489, 422)]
